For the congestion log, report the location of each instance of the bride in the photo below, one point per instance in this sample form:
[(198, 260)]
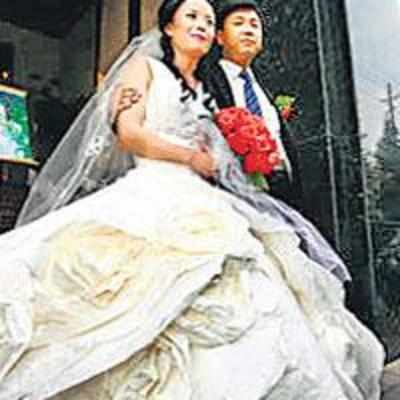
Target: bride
[(159, 285)]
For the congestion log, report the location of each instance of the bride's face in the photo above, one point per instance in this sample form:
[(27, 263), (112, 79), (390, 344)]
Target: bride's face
[(192, 28)]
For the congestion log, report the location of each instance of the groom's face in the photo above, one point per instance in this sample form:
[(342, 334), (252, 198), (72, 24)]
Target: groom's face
[(241, 36)]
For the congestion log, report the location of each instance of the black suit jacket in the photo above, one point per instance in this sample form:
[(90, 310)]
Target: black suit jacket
[(217, 84)]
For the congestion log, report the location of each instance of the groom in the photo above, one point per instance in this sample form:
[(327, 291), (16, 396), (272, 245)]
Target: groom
[(232, 82)]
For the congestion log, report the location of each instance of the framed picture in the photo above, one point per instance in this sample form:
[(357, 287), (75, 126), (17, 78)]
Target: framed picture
[(15, 130)]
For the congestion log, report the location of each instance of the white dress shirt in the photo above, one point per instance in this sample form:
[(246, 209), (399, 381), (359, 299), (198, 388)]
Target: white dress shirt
[(269, 112)]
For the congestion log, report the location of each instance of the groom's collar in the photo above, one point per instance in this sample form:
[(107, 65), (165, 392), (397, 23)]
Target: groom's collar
[(234, 70)]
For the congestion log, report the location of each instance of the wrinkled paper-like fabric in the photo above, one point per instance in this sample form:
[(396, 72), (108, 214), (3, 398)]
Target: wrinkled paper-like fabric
[(100, 289)]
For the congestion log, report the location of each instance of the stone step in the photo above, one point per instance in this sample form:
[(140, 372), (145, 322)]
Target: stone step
[(391, 381)]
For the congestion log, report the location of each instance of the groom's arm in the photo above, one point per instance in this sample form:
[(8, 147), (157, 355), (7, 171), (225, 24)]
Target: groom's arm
[(123, 99)]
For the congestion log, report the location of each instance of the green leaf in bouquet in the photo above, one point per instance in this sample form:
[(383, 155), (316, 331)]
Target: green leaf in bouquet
[(258, 180)]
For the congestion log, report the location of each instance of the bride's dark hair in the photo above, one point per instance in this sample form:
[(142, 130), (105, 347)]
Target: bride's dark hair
[(166, 14), (167, 11)]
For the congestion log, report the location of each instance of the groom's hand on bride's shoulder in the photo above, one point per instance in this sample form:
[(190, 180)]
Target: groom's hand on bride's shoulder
[(124, 98)]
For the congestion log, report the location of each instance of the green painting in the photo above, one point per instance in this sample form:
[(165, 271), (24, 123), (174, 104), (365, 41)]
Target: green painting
[(15, 143)]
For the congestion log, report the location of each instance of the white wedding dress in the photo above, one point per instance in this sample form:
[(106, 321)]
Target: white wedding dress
[(161, 286)]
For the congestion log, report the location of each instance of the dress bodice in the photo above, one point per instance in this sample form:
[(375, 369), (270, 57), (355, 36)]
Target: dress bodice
[(170, 111)]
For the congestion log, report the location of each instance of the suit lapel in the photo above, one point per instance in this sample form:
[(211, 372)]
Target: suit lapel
[(218, 85)]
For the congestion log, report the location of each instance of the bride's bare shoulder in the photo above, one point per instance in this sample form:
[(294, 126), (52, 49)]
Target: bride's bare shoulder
[(136, 72)]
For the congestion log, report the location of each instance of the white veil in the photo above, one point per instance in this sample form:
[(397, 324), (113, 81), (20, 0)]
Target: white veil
[(87, 158)]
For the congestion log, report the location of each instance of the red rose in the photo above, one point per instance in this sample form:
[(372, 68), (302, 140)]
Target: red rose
[(242, 114), (259, 123), (226, 122), (274, 160), (261, 145), (255, 162), (265, 144), (232, 131), (239, 144), (247, 131)]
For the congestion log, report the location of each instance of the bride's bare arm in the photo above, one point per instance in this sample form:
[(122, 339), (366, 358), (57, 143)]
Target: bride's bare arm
[(135, 137)]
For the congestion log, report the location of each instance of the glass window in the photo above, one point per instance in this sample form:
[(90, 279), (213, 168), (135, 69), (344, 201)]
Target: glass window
[(374, 28)]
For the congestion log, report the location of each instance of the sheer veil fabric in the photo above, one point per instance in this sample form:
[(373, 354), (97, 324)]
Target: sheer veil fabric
[(87, 158)]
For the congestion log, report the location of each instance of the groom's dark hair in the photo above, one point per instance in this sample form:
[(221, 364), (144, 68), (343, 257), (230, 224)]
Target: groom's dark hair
[(227, 7)]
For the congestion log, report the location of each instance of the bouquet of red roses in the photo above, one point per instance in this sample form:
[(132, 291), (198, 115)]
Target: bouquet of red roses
[(251, 140)]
